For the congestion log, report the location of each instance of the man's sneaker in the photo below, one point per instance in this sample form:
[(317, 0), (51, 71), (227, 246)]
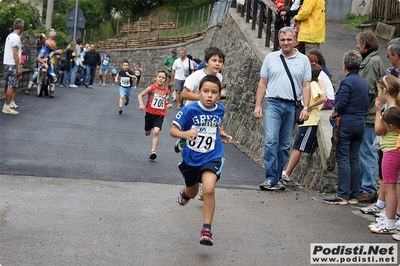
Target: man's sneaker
[(153, 155), (206, 237), (9, 111), (127, 101), (353, 201), (120, 111), (371, 209), (73, 86), (396, 236), (183, 198), (335, 200), (86, 85), (51, 94), (179, 144), (27, 91), (382, 229), (13, 105), (366, 198), (266, 185), (90, 86)]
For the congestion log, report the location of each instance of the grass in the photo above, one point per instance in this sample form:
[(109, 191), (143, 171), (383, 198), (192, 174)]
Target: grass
[(354, 21)]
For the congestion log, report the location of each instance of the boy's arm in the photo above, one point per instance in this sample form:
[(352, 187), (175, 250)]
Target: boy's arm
[(175, 132), (224, 137), (188, 95), (146, 91), (116, 77)]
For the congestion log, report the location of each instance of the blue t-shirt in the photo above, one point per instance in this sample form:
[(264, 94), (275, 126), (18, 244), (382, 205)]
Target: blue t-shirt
[(207, 145)]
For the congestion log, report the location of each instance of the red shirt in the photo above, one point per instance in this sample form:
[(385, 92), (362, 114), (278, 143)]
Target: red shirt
[(157, 100)]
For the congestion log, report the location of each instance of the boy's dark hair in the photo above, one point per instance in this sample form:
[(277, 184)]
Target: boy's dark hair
[(126, 61), (392, 116), (211, 51), (213, 79), (315, 70)]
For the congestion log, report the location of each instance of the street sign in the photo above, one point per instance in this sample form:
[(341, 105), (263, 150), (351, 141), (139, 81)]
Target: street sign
[(71, 19)]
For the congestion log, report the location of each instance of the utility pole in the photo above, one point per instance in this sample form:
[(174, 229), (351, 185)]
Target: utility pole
[(49, 13), (76, 19)]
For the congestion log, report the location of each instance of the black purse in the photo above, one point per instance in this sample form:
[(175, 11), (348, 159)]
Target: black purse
[(298, 104)]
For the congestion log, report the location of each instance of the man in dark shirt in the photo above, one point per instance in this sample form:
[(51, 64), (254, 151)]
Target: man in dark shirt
[(92, 62)]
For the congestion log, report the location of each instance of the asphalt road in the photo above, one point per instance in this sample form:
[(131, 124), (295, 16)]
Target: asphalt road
[(80, 134)]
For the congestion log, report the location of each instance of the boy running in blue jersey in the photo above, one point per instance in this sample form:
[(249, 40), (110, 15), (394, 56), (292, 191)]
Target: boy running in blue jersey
[(199, 124)]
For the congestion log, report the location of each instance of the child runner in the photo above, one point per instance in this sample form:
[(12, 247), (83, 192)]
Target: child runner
[(125, 85), (105, 62), (307, 133), (114, 71), (199, 123), (156, 108), (138, 73), (388, 92)]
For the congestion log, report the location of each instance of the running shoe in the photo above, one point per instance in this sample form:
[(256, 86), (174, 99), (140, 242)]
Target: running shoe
[(9, 111), (183, 198), (371, 209), (153, 155), (206, 237), (120, 111), (127, 101), (13, 105)]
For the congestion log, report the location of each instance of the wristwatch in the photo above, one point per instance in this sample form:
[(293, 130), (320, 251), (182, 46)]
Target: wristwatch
[(307, 108)]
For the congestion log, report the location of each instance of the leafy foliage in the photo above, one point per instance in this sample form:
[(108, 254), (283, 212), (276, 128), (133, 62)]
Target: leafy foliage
[(10, 10)]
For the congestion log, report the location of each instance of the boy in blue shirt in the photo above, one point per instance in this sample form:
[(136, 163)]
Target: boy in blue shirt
[(199, 124)]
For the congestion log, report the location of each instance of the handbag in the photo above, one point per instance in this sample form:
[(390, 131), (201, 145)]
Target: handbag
[(298, 104)]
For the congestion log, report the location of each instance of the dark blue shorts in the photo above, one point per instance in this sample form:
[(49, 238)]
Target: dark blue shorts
[(192, 174), (305, 138)]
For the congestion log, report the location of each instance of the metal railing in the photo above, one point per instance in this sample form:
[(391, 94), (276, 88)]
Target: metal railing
[(261, 13)]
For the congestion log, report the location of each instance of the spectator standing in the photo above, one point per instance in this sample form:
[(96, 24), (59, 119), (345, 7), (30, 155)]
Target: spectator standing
[(156, 108), (92, 62), (69, 63), (307, 132), (168, 63), (279, 121), (181, 69), (388, 92), (350, 105), (372, 70), (114, 71), (12, 66), (311, 17), (77, 62), (393, 54)]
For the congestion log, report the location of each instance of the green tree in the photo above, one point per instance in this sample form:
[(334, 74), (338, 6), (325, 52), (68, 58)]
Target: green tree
[(10, 10)]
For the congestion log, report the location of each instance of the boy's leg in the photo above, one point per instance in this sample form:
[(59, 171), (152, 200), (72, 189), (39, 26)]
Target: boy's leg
[(208, 180), (156, 135)]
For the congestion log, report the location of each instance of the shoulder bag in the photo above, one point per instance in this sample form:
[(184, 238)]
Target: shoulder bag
[(299, 105)]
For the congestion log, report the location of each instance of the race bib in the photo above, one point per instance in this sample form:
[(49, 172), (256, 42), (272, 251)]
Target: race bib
[(158, 101), (105, 62), (205, 140), (125, 81), (137, 73), (114, 71)]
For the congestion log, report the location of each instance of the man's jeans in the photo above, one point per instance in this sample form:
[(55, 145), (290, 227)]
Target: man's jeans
[(74, 70), (347, 158), (368, 161), (278, 130), (90, 74)]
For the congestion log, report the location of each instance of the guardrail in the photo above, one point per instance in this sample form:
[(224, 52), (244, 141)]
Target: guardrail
[(261, 13)]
